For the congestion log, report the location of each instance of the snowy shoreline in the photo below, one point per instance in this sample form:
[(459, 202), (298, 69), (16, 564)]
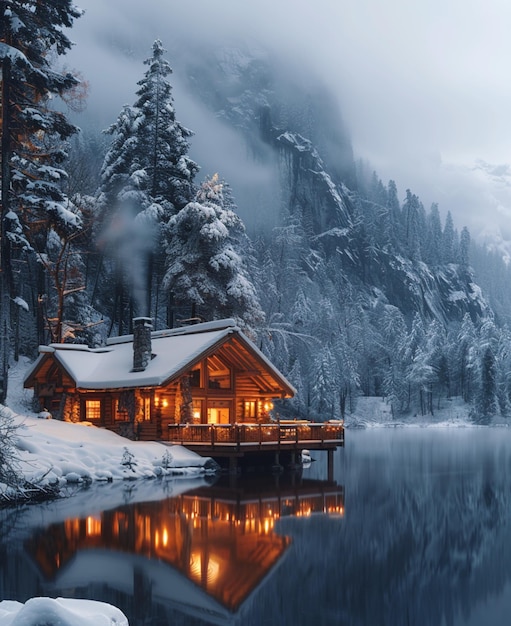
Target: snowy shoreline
[(374, 412), (82, 457), (51, 452)]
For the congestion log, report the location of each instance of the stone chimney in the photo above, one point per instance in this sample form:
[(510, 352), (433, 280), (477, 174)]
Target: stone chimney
[(142, 327)]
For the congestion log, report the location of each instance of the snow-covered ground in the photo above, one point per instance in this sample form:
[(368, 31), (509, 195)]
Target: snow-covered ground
[(375, 412), (53, 451)]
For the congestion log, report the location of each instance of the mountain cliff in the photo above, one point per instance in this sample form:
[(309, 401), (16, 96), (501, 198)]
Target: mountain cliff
[(363, 292)]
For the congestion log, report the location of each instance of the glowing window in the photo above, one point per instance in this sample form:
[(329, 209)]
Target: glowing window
[(147, 408), (250, 409), (92, 409), (197, 411), (120, 414)]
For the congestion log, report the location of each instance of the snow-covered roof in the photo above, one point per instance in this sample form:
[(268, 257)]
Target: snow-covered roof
[(173, 351)]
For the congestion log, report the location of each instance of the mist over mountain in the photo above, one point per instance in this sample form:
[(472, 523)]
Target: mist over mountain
[(423, 90), (365, 289)]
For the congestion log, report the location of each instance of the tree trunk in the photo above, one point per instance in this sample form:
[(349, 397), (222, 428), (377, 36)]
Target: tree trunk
[(5, 261)]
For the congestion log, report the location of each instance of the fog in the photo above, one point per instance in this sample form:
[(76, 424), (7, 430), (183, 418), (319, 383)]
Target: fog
[(423, 88)]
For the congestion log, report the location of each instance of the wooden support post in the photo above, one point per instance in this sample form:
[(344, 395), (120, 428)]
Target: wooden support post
[(330, 464), (233, 464), (277, 467)]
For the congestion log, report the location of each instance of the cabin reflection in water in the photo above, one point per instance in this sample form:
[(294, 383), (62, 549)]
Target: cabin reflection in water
[(215, 543)]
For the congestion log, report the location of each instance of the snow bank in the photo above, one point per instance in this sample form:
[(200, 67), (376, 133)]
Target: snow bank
[(61, 611), (55, 452)]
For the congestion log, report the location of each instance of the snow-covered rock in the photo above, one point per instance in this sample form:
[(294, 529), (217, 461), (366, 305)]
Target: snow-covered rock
[(61, 611)]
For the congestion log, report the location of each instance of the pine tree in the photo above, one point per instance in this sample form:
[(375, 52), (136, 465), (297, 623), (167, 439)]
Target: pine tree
[(163, 141), (433, 237), (324, 384), (32, 138), (117, 167), (413, 217), (205, 264), (464, 252), (395, 212), (464, 358), (448, 241), (487, 403), (146, 178)]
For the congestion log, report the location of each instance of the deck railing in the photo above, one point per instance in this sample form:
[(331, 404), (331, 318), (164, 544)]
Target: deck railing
[(256, 434)]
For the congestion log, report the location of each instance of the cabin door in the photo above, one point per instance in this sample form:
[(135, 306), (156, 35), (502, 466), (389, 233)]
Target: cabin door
[(219, 412)]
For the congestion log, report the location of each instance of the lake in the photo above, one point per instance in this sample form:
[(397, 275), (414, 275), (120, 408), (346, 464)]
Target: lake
[(415, 529)]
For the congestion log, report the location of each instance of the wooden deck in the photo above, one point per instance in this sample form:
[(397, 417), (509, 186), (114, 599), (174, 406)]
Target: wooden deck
[(271, 443), (240, 437)]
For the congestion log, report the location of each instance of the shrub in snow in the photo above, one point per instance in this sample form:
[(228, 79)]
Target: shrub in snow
[(13, 486), (167, 459), (128, 459)]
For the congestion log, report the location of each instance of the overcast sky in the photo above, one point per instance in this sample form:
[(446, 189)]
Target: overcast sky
[(424, 86)]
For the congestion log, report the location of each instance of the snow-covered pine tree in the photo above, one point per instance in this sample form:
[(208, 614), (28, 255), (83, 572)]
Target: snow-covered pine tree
[(163, 141), (413, 215), (32, 137), (147, 163), (116, 168), (393, 331), (503, 367), (432, 249), (464, 251), (205, 249), (485, 371), (324, 375), (448, 247), (463, 360), (395, 212), (487, 401)]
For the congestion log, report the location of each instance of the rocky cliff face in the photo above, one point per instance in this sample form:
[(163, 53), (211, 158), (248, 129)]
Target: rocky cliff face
[(292, 126)]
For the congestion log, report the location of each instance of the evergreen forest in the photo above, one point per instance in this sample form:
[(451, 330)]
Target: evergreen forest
[(350, 286)]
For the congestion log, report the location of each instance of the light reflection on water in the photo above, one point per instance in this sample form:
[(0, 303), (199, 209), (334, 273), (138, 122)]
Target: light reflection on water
[(415, 529), (219, 538), (203, 552)]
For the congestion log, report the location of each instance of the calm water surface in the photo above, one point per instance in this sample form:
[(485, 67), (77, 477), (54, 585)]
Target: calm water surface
[(414, 529)]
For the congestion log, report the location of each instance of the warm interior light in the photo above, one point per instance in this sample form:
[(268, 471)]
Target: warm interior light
[(268, 406), (196, 415), (213, 568), (93, 526), (268, 525), (165, 403), (156, 400)]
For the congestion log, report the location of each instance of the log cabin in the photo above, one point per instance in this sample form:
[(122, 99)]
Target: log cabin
[(205, 386), (137, 385)]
